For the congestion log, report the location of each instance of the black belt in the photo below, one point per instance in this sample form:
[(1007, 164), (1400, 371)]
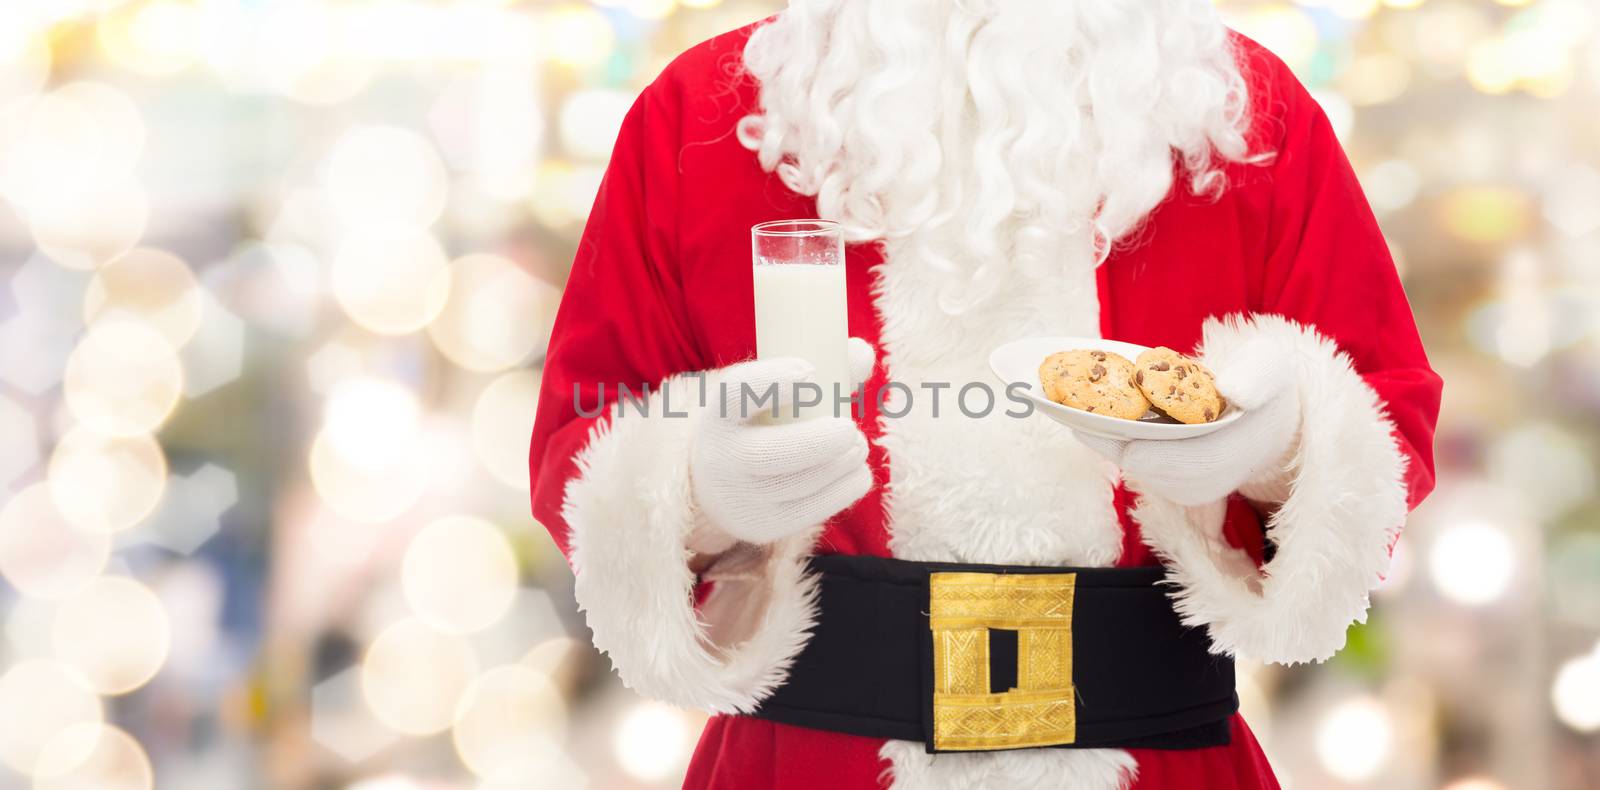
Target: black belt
[(988, 657)]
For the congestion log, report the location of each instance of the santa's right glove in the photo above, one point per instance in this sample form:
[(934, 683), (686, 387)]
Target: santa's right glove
[(760, 482)]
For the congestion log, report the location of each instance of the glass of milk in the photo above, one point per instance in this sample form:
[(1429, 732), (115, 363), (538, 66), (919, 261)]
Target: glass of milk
[(800, 304)]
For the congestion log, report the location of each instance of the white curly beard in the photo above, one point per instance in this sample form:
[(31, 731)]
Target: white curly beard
[(988, 134)]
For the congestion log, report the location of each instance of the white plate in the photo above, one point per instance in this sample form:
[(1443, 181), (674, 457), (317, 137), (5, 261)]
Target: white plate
[(1018, 362)]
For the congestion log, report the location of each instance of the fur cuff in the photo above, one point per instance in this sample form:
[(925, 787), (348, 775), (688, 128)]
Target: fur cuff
[(1343, 501), (632, 521)]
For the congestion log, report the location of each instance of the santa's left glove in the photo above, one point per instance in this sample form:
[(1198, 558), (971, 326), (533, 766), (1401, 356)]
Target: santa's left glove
[(1249, 455), (760, 482)]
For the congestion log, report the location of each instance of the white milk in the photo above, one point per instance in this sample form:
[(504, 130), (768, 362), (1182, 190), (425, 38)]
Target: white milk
[(801, 312)]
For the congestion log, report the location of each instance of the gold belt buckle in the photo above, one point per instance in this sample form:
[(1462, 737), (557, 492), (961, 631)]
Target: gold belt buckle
[(1040, 710)]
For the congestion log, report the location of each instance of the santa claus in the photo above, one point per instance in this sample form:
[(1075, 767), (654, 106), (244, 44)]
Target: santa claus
[(1003, 170)]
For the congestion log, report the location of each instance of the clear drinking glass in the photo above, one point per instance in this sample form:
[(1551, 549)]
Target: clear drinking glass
[(800, 304)]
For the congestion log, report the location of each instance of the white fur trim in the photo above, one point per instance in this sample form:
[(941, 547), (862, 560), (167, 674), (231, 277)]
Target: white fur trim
[(632, 520), (1028, 769), (999, 489), (1343, 503)]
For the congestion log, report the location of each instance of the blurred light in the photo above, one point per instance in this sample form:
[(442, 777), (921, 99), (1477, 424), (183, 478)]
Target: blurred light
[(75, 141), (590, 121), (643, 9), (483, 205), (446, 441), (1523, 336), (20, 450), (508, 131), (496, 316), (1576, 692), (114, 632), (366, 493), (1375, 78), (334, 362), (392, 281), (326, 81), (1570, 203), (49, 11), (67, 160), (564, 193), (370, 421), (84, 230), (1392, 184), (1443, 33), (553, 655), (1401, 564), (556, 769), (36, 341), (153, 287), (1341, 116), (274, 285), (387, 782), (1548, 467), (459, 574), (154, 38), (576, 35), (1491, 68), (1487, 215), (43, 554), (1475, 783), (294, 49), (413, 676), (93, 755), (491, 126), (502, 420), (191, 594), (24, 55), (1254, 703), (341, 720), (385, 175), (41, 699), (1472, 563), (1354, 739), (652, 741), (1285, 30), (1354, 9), (533, 616), (123, 379), (27, 628), (296, 215), (507, 724), (421, 31), (104, 483), (215, 355)]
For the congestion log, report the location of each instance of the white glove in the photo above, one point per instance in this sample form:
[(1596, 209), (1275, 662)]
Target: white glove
[(762, 482), (1254, 449)]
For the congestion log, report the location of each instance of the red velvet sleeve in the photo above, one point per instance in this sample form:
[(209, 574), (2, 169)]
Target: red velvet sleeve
[(622, 317), (1329, 266)]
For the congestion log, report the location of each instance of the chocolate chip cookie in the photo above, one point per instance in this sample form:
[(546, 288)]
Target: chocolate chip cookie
[(1094, 381), (1180, 387)]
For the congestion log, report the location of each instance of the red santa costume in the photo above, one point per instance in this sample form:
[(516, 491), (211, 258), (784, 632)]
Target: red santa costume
[(1125, 170)]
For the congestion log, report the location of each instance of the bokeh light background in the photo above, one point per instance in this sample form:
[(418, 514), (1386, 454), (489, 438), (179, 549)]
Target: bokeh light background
[(277, 279)]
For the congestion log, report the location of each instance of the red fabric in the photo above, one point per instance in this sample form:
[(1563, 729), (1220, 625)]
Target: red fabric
[(1238, 766), (661, 282), (748, 753), (736, 752)]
